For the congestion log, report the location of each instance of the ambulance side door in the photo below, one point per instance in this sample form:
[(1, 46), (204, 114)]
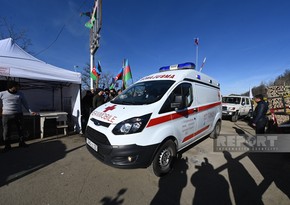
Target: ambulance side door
[(178, 104), (204, 97)]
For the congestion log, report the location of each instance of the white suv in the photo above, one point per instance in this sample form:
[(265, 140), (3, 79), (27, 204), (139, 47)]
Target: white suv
[(235, 106)]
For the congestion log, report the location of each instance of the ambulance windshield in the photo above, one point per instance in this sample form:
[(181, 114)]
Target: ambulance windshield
[(143, 93)]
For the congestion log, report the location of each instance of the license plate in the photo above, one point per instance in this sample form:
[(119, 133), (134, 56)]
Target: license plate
[(92, 145)]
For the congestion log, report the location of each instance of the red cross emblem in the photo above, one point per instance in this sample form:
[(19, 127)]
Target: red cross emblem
[(110, 108)]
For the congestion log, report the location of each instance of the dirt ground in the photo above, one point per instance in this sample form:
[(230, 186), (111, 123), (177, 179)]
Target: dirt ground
[(60, 170)]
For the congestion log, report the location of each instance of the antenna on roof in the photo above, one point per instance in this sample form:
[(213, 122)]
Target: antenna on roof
[(203, 62)]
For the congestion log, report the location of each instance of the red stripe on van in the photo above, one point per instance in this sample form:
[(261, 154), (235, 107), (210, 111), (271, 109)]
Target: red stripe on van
[(206, 107), (194, 134), (166, 118), (159, 120)]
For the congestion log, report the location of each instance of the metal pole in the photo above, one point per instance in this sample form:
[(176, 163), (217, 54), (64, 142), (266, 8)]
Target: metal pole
[(91, 69), (97, 82), (196, 58)]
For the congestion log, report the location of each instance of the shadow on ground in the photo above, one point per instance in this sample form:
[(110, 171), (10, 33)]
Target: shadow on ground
[(213, 188), (19, 162)]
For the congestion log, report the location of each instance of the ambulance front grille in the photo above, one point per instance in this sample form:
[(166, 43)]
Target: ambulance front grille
[(100, 123), (97, 137)]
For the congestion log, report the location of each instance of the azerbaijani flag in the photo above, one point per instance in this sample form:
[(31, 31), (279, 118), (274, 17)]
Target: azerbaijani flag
[(119, 76), (99, 68), (127, 72), (96, 72), (90, 23)]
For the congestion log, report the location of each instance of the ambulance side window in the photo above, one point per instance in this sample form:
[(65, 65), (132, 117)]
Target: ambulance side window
[(187, 92), (184, 90)]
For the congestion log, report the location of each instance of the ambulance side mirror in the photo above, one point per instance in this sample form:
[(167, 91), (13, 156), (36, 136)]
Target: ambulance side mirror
[(177, 102)]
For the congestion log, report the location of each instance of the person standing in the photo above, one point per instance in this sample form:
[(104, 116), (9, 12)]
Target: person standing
[(99, 98), (106, 95), (12, 100), (86, 107), (259, 116), (112, 94)]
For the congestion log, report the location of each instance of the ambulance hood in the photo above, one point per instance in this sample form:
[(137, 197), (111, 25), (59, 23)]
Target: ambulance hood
[(115, 113)]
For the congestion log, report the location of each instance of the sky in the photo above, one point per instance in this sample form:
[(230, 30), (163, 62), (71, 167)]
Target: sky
[(245, 42)]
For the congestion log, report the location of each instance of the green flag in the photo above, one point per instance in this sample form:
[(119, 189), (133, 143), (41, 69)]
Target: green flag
[(90, 23)]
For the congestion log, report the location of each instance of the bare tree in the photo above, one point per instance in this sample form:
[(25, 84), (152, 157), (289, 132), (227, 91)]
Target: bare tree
[(8, 30), (246, 93), (283, 79), (86, 77), (104, 80), (261, 89)]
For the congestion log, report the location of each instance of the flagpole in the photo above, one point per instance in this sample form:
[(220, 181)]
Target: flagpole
[(196, 57), (98, 74), (97, 82), (92, 66), (196, 42), (123, 80)]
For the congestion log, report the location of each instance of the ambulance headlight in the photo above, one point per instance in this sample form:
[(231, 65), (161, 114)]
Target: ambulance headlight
[(132, 125)]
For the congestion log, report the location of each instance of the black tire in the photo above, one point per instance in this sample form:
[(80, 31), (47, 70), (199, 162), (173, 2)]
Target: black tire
[(216, 131), (250, 114), (164, 159), (235, 117)]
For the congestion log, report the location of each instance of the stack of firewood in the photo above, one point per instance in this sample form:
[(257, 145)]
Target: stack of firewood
[(279, 102)]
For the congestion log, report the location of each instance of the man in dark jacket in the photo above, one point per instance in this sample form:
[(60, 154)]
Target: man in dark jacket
[(87, 106), (259, 116), (99, 98)]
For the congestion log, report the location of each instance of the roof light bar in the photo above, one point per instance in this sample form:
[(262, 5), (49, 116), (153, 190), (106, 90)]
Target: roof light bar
[(178, 67)]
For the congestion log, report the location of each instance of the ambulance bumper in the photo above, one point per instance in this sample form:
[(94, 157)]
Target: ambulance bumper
[(125, 156)]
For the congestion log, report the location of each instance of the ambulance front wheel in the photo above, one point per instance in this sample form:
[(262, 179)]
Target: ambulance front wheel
[(216, 131), (164, 159)]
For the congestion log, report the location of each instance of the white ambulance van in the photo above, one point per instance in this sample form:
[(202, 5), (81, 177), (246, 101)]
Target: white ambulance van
[(155, 118)]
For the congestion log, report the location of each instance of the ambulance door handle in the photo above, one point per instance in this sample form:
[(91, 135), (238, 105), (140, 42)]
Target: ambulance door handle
[(195, 109)]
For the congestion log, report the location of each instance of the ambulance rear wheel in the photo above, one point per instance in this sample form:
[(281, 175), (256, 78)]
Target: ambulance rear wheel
[(164, 159), (216, 131)]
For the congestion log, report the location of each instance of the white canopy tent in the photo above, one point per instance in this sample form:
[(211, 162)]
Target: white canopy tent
[(45, 86)]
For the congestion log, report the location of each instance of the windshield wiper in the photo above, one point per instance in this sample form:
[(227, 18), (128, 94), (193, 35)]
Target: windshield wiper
[(127, 102)]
